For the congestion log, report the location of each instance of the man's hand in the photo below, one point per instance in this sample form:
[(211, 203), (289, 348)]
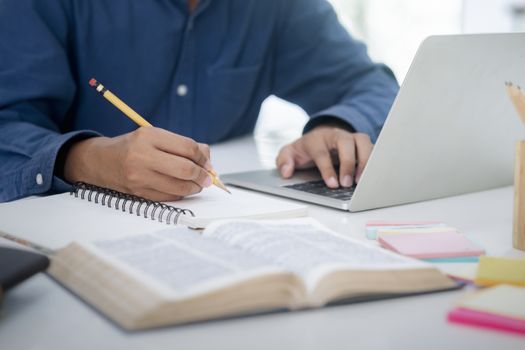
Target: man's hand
[(149, 162), (323, 147)]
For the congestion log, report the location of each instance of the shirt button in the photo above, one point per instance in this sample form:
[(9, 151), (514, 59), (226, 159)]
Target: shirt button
[(182, 90), (39, 179)]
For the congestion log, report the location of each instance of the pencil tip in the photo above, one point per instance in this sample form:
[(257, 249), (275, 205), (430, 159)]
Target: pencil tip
[(225, 188)]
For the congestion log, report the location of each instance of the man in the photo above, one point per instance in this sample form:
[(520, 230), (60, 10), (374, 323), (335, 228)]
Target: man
[(198, 70)]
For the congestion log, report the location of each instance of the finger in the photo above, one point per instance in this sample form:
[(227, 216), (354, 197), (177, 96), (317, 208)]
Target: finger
[(155, 195), (179, 145), (346, 153), (320, 153), (205, 149), (178, 167), (364, 148), (285, 161), (172, 186)]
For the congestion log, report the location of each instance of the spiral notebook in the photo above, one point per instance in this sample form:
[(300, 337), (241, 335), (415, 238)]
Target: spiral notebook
[(90, 212)]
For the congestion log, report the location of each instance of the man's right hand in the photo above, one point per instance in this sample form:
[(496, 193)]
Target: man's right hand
[(149, 162)]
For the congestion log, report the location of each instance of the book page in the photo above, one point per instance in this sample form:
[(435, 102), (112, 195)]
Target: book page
[(304, 247), (182, 260)]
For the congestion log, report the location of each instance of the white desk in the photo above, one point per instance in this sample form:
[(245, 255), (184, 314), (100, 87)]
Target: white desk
[(40, 314)]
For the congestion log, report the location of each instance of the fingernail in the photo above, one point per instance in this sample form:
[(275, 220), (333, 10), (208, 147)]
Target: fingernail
[(332, 182), (207, 182), (346, 181), (208, 166)]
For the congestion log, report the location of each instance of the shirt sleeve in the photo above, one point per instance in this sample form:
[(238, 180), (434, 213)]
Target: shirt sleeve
[(36, 92), (320, 67)]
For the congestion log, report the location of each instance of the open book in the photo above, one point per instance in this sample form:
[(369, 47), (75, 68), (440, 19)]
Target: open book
[(178, 275)]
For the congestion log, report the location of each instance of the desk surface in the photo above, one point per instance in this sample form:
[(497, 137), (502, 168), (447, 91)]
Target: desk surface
[(40, 314)]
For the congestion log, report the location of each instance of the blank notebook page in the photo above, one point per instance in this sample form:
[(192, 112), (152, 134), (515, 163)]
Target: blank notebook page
[(54, 221), (216, 204)]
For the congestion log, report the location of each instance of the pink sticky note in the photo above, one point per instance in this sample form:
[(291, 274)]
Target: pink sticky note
[(487, 320), (431, 245), (400, 223)]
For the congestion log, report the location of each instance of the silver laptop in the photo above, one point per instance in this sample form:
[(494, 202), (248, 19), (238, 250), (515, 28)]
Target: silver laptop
[(451, 130)]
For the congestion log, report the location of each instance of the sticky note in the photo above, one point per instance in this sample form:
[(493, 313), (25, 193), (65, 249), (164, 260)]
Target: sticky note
[(486, 320), (401, 223), (503, 300), (431, 245), (397, 231), (455, 259), (373, 227), (495, 270)]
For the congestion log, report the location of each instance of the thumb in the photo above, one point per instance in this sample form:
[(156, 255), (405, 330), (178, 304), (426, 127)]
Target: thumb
[(285, 162)]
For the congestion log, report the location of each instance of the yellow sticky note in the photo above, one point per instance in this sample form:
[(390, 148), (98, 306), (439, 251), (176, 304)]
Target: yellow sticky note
[(504, 300), (493, 270)]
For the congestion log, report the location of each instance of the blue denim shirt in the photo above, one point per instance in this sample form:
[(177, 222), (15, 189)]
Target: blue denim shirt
[(202, 74)]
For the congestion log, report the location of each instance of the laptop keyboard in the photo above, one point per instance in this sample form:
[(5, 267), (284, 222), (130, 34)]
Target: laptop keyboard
[(319, 188)]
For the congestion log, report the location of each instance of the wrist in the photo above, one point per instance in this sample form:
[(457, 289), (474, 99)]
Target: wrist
[(83, 159), (329, 122)]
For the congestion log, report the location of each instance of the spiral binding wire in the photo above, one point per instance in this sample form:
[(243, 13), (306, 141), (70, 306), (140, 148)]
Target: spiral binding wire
[(128, 202)]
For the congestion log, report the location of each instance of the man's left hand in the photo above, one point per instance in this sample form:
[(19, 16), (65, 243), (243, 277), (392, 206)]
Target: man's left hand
[(324, 147)]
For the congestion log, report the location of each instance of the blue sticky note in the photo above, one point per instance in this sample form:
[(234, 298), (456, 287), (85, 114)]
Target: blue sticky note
[(457, 259)]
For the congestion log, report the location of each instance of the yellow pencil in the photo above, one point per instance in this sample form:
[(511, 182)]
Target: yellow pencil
[(137, 118)]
